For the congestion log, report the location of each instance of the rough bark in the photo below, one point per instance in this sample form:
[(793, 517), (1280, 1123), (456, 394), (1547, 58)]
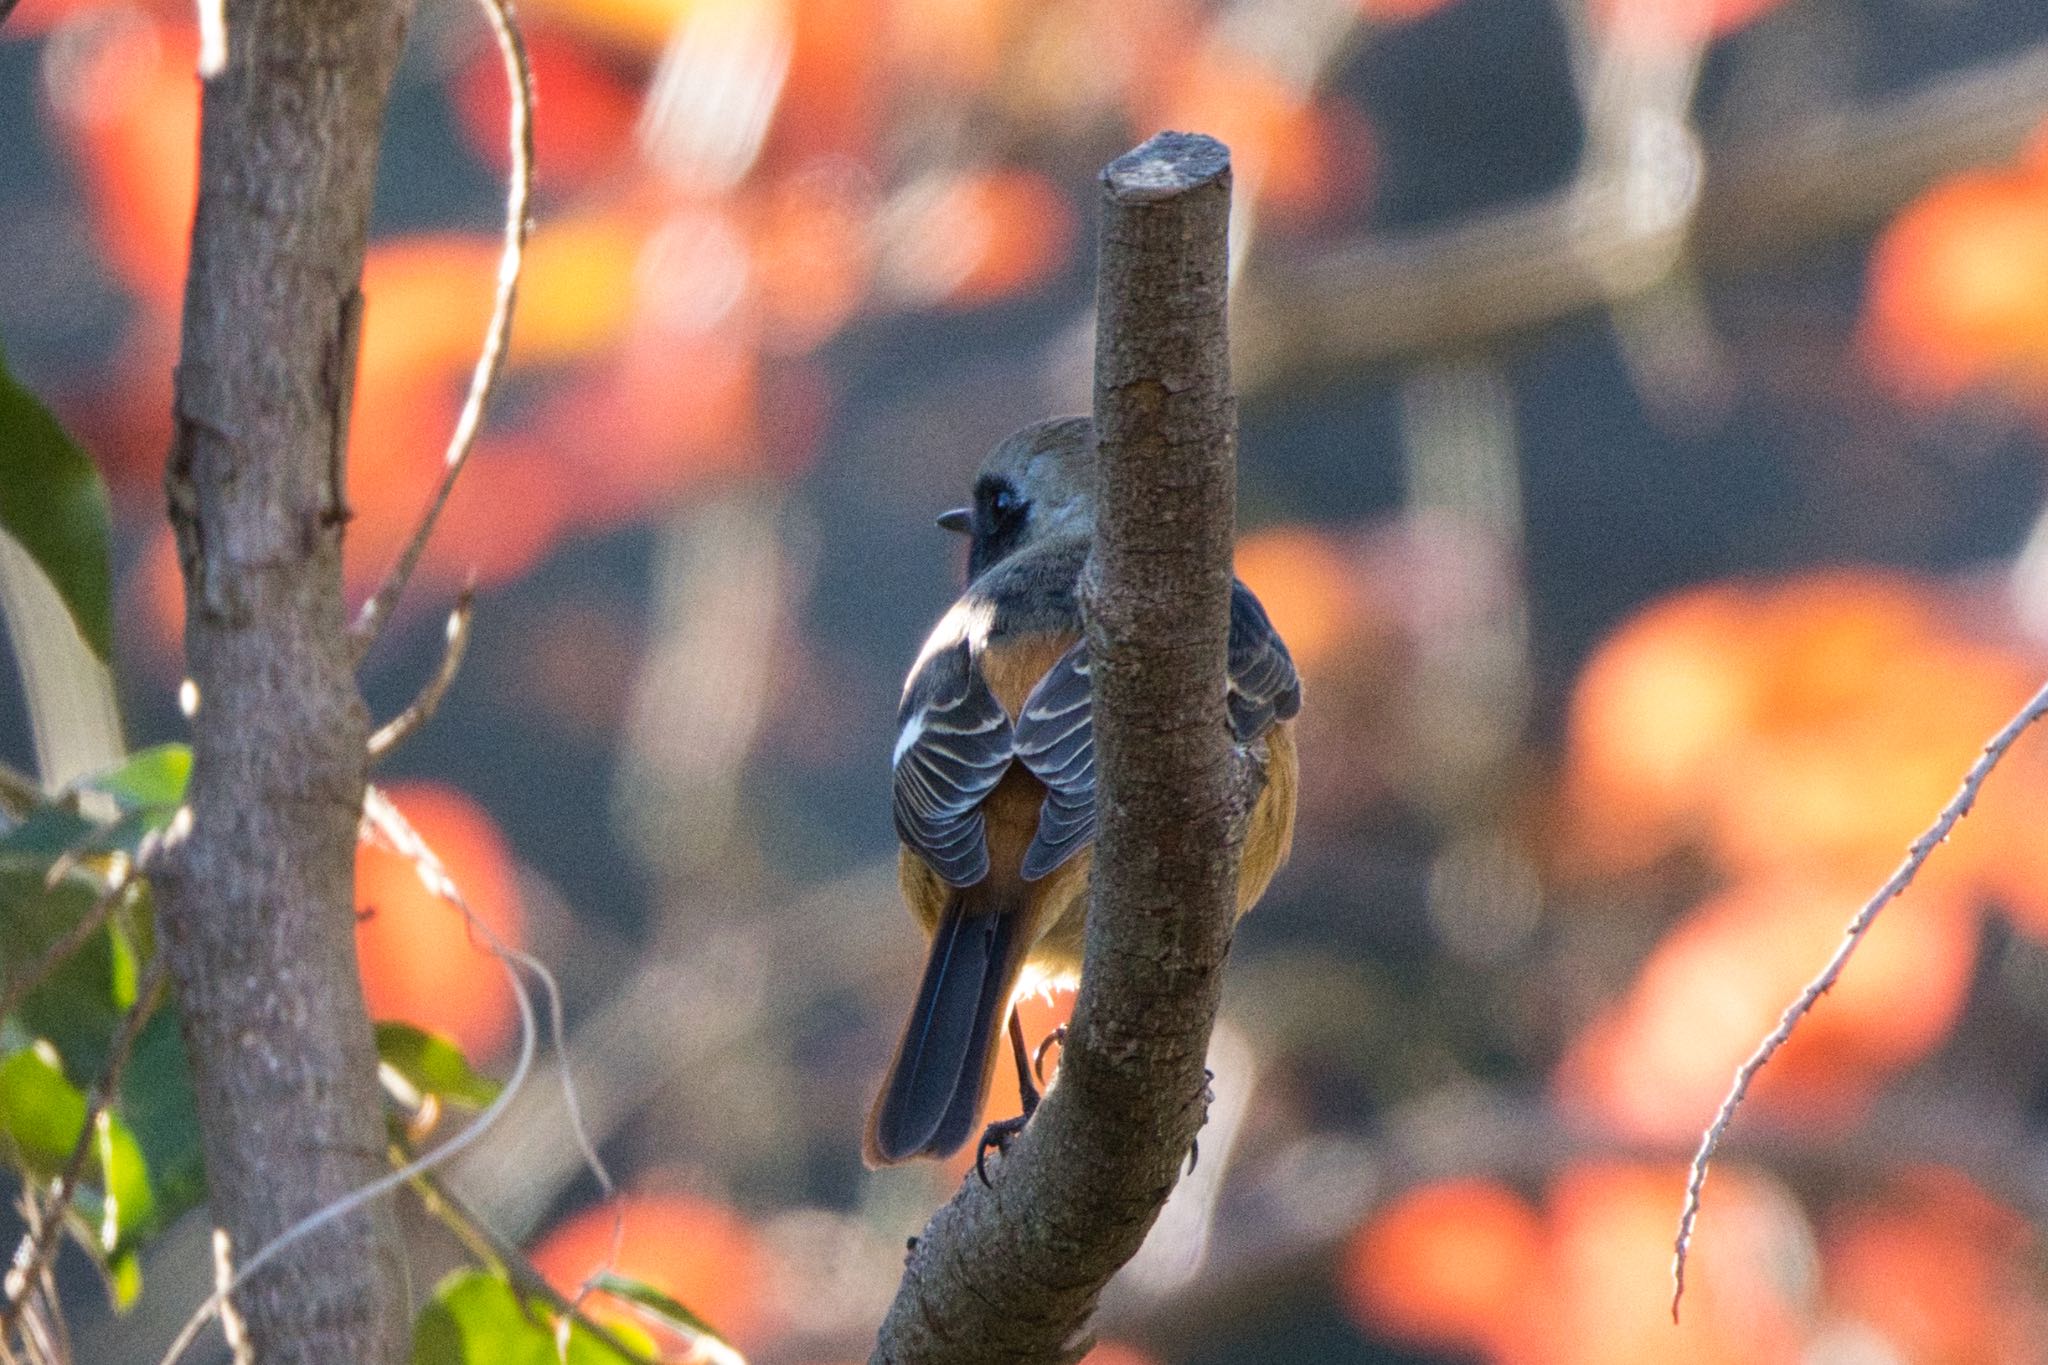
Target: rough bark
[(1013, 1272), (256, 903)]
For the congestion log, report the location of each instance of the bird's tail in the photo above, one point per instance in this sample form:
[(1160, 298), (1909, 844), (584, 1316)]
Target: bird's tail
[(935, 1089)]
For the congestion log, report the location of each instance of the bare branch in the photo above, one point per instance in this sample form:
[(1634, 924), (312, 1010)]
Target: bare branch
[(1936, 834), (1013, 1271), (401, 726), (42, 1239), (370, 621), (1383, 298)]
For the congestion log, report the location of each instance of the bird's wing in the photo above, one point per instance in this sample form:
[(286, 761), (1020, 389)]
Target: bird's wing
[(953, 744), (1056, 741), (1264, 687), (1056, 730)]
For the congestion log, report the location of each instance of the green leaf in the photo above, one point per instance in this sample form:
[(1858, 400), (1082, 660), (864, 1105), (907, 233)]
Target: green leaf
[(75, 1007), (123, 1271), (43, 1113), (664, 1308), (476, 1318), (55, 506), (158, 1103), (49, 833), (151, 780), (433, 1065)]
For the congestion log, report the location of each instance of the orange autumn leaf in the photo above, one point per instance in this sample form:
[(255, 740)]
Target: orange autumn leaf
[(1825, 720), (1656, 1063), (422, 963), (1958, 291), (1652, 719), (959, 44), (578, 290), (642, 26), (1939, 1270), (1468, 1265), (833, 97), (1450, 1265), (587, 132), (427, 298), (699, 1252), (1607, 1293)]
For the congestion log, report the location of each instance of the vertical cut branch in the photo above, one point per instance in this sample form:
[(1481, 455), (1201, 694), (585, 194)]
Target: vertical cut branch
[(1013, 1272), (256, 904)]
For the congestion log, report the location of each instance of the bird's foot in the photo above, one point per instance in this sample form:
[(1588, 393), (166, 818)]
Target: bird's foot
[(997, 1135)]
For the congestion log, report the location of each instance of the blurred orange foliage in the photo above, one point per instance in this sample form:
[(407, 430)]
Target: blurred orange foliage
[(421, 961), (1958, 291), (1445, 1265), (1584, 1281), (128, 109), (699, 1252), (1817, 723), (1655, 1064), (1117, 1353), (1939, 1270), (586, 134)]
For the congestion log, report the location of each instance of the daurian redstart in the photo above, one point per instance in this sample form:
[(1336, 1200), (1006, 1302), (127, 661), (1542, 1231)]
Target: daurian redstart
[(995, 781)]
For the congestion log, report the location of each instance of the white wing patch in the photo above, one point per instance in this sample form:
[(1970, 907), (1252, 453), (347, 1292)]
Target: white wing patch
[(969, 620)]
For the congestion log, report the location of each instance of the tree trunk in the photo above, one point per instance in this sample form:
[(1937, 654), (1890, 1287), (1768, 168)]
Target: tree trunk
[(1013, 1273), (256, 903)]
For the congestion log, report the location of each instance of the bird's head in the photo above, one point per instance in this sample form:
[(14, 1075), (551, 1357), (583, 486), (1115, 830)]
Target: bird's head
[(1036, 484)]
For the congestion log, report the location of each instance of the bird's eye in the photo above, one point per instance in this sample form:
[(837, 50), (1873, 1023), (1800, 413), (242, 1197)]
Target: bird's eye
[(1003, 502)]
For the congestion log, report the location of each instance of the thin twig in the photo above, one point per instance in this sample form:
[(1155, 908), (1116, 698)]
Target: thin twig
[(42, 1241), (1959, 805), (401, 726), (518, 196)]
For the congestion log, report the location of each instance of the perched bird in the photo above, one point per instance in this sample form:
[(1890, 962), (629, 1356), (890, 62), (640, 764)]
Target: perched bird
[(994, 782)]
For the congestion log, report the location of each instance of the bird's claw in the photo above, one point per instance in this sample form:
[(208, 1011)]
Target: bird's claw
[(997, 1135), (1056, 1039)]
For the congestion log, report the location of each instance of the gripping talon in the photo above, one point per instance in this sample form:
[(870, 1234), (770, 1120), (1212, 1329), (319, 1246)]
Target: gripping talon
[(1056, 1039), (998, 1136)]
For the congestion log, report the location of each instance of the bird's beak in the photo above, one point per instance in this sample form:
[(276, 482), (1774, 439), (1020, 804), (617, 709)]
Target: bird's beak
[(960, 520)]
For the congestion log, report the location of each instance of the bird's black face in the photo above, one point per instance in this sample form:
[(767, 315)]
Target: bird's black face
[(1000, 516)]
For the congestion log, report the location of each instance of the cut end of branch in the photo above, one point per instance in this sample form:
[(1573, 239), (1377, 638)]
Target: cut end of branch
[(1167, 164)]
